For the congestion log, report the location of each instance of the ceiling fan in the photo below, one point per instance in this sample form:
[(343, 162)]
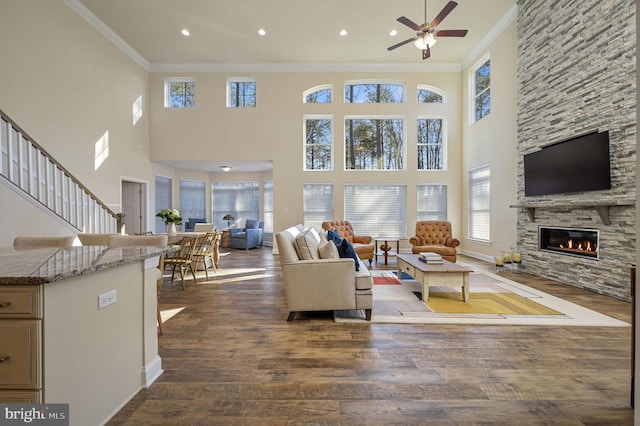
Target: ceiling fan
[(425, 33)]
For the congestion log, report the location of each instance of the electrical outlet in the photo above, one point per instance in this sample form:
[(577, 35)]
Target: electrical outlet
[(107, 299)]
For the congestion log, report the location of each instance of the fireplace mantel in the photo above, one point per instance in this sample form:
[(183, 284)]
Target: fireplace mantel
[(602, 207)]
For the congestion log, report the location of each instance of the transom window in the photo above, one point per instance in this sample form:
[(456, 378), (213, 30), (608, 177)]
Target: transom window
[(374, 92), (432, 202), (179, 92), (241, 92), (376, 210), (374, 143), (429, 95), (318, 95), (318, 142), (431, 146), (481, 88)]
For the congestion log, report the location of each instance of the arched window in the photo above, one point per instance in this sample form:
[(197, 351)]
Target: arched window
[(318, 95), (430, 95)]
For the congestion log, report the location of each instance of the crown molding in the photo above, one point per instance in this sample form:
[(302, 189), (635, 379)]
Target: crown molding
[(107, 32), (304, 67), (484, 44)]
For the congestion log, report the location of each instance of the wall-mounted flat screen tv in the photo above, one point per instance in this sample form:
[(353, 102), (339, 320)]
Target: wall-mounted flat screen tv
[(575, 165)]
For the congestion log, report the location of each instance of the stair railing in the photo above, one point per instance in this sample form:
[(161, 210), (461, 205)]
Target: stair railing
[(27, 167)]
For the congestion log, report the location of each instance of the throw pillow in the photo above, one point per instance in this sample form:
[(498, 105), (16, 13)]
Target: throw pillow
[(328, 250), (334, 236), (306, 244), (346, 250)]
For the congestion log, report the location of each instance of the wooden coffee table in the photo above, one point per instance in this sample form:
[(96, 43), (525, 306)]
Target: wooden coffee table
[(445, 274)]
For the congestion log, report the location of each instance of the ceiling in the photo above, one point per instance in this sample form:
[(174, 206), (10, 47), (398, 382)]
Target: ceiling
[(300, 34)]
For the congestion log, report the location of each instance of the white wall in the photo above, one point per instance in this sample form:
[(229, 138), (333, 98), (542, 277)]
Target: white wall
[(492, 141), (274, 131), (66, 85)]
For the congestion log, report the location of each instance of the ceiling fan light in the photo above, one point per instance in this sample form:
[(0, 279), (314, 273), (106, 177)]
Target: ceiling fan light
[(421, 43), (430, 40)]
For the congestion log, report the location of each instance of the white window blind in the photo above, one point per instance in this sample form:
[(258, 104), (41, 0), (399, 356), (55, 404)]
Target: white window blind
[(240, 199), (432, 202), (192, 200), (163, 200), (376, 210), (479, 203), (267, 209), (317, 204)]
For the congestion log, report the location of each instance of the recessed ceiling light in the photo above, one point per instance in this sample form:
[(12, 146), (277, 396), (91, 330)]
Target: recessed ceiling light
[(393, 33), (185, 32), (262, 32), (343, 33)]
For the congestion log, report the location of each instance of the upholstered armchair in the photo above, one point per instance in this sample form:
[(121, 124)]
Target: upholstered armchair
[(363, 245), (251, 236), (435, 236)]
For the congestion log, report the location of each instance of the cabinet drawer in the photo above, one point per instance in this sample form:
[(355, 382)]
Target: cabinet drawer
[(20, 302), (408, 269), (20, 397), (20, 366)]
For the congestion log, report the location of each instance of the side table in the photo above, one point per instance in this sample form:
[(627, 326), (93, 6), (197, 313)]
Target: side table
[(385, 248)]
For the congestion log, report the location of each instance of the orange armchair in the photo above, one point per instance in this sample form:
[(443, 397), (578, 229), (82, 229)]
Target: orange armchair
[(362, 245), (435, 236)]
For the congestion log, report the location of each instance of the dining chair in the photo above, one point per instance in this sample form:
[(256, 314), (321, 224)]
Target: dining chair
[(204, 252), (183, 259)]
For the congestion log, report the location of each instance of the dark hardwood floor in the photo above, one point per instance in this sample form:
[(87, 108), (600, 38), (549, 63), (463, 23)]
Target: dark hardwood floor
[(231, 358)]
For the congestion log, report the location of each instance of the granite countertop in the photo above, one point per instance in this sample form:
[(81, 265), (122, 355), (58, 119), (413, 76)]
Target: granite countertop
[(33, 266)]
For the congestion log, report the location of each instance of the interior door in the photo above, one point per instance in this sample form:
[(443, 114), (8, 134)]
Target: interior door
[(133, 202)]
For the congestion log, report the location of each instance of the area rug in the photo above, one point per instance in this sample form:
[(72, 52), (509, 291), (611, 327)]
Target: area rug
[(493, 300)]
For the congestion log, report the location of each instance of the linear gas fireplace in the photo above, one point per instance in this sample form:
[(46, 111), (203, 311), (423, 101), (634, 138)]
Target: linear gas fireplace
[(570, 241)]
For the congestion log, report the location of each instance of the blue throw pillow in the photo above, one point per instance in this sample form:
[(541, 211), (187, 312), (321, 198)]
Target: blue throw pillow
[(335, 237), (345, 248)]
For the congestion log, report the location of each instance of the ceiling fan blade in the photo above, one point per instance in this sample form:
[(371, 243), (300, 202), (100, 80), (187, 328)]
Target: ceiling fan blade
[(402, 43), (451, 33), (443, 13), (426, 53), (409, 23)]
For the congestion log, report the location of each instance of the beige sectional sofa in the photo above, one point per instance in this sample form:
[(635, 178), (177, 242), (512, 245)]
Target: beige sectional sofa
[(316, 279)]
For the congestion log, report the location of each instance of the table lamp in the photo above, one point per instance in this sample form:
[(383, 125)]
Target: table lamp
[(228, 217)]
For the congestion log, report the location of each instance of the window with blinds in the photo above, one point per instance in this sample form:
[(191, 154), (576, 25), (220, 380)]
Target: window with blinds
[(192, 200), (479, 203), (163, 201), (267, 209), (432, 202), (317, 204), (240, 199), (376, 210)]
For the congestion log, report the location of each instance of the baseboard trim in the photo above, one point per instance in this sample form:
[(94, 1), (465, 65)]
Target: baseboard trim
[(152, 371)]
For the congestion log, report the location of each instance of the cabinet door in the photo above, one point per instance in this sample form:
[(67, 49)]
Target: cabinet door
[(20, 365)]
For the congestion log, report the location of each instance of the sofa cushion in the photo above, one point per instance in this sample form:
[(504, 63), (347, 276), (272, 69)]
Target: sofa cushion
[(328, 250), (252, 224), (306, 244), (345, 248)]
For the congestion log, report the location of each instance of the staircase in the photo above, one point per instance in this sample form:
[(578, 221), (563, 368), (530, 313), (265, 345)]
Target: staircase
[(30, 171)]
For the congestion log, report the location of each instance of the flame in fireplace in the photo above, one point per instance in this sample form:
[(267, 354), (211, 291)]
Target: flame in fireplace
[(580, 246)]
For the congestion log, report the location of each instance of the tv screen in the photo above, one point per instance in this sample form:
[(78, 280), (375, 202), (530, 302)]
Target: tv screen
[(576, 165)]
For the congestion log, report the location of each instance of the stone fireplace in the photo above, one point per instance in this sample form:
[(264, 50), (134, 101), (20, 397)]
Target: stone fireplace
[(569, 241), (554, 104)]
